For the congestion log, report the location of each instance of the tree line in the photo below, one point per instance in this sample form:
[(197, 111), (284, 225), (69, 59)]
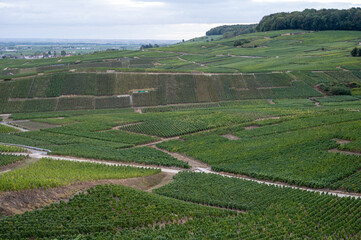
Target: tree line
[(311, 19), (232, 30)]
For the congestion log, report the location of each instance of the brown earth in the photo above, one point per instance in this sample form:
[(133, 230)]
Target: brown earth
[(271, 101), (267, 118), (335, 150), (34, 126), (251, 127), (182, 157), (341, 141), (19, 202), (230, 137)]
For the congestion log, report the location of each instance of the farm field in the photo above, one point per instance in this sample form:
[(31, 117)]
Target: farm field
[(273, 65), (265, 52), (198, 140), (291, 141)]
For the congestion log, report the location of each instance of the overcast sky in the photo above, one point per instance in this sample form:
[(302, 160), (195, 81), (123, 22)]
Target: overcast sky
[(139, 19)]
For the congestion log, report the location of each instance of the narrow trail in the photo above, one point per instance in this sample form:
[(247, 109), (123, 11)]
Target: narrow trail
[(195, 164), (4, 117), (8, 124), (317, 103), (269, 183), (335, 150), (152, 144)]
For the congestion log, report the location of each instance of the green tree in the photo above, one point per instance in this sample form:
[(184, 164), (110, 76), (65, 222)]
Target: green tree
[(63, 53), (354, 52), (359, 52)]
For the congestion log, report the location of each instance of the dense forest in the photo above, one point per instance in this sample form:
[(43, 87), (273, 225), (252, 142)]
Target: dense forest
[(232, 30), (311, 19)]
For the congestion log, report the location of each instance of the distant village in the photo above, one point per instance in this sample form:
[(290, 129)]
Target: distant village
[(6, 53), (27, 52)]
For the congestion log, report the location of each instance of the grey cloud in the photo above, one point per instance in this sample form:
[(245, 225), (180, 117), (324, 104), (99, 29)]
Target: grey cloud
[(103, 18)]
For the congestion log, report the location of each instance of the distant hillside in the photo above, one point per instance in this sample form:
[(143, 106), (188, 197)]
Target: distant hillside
[(232, 30), (311, 19), (74, 91)]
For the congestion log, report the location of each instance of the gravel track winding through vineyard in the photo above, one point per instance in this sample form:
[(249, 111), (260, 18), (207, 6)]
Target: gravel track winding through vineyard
[(197, 166), (12, 126)]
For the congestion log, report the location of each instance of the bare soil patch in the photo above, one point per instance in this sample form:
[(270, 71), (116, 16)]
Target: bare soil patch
[(268, 118), (230, 137), (251, 127), (182, 157), (19, 202), (4, 117), (343, 69), (125, 125), (317, 103), (335, 150), (341, 141), (9, 167), (318, 89), (34, 126), (271, 101), (138, 110)]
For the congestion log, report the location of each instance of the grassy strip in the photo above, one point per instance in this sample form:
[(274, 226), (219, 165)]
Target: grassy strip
[(48, 173)]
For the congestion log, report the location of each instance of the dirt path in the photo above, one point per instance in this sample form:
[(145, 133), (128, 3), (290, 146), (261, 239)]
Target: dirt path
[(317, 103), (271, 101), (123, 126), (157, 142), (267, 118), (27, 200), (193, 62), (281, 184), (4, 117), (166, 178), (318, 89), (182, 157), (341, 141), (343, 69), (197, 166), (230, 137), (138, 110), (12, 126), (335, 150)]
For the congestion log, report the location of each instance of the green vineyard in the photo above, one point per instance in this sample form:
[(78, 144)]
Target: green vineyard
[(229, 136), (47, 173)]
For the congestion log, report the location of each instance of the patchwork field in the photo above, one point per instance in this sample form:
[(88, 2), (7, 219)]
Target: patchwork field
[(199, 140)]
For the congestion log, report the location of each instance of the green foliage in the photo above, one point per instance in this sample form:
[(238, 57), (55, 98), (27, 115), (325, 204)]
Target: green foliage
[(39, 105), (7, 129), (11, 149), (240, 42), (330, 99), (356, 91), (301, 209), (300, 157), (112, 102), (185, 122), (351, 183), (47, 173), (91, 136), (231, 30), (90, 91), (354, 52), (73, 103), (311, 19), (339, 90), (105, 210), (8, 159)]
